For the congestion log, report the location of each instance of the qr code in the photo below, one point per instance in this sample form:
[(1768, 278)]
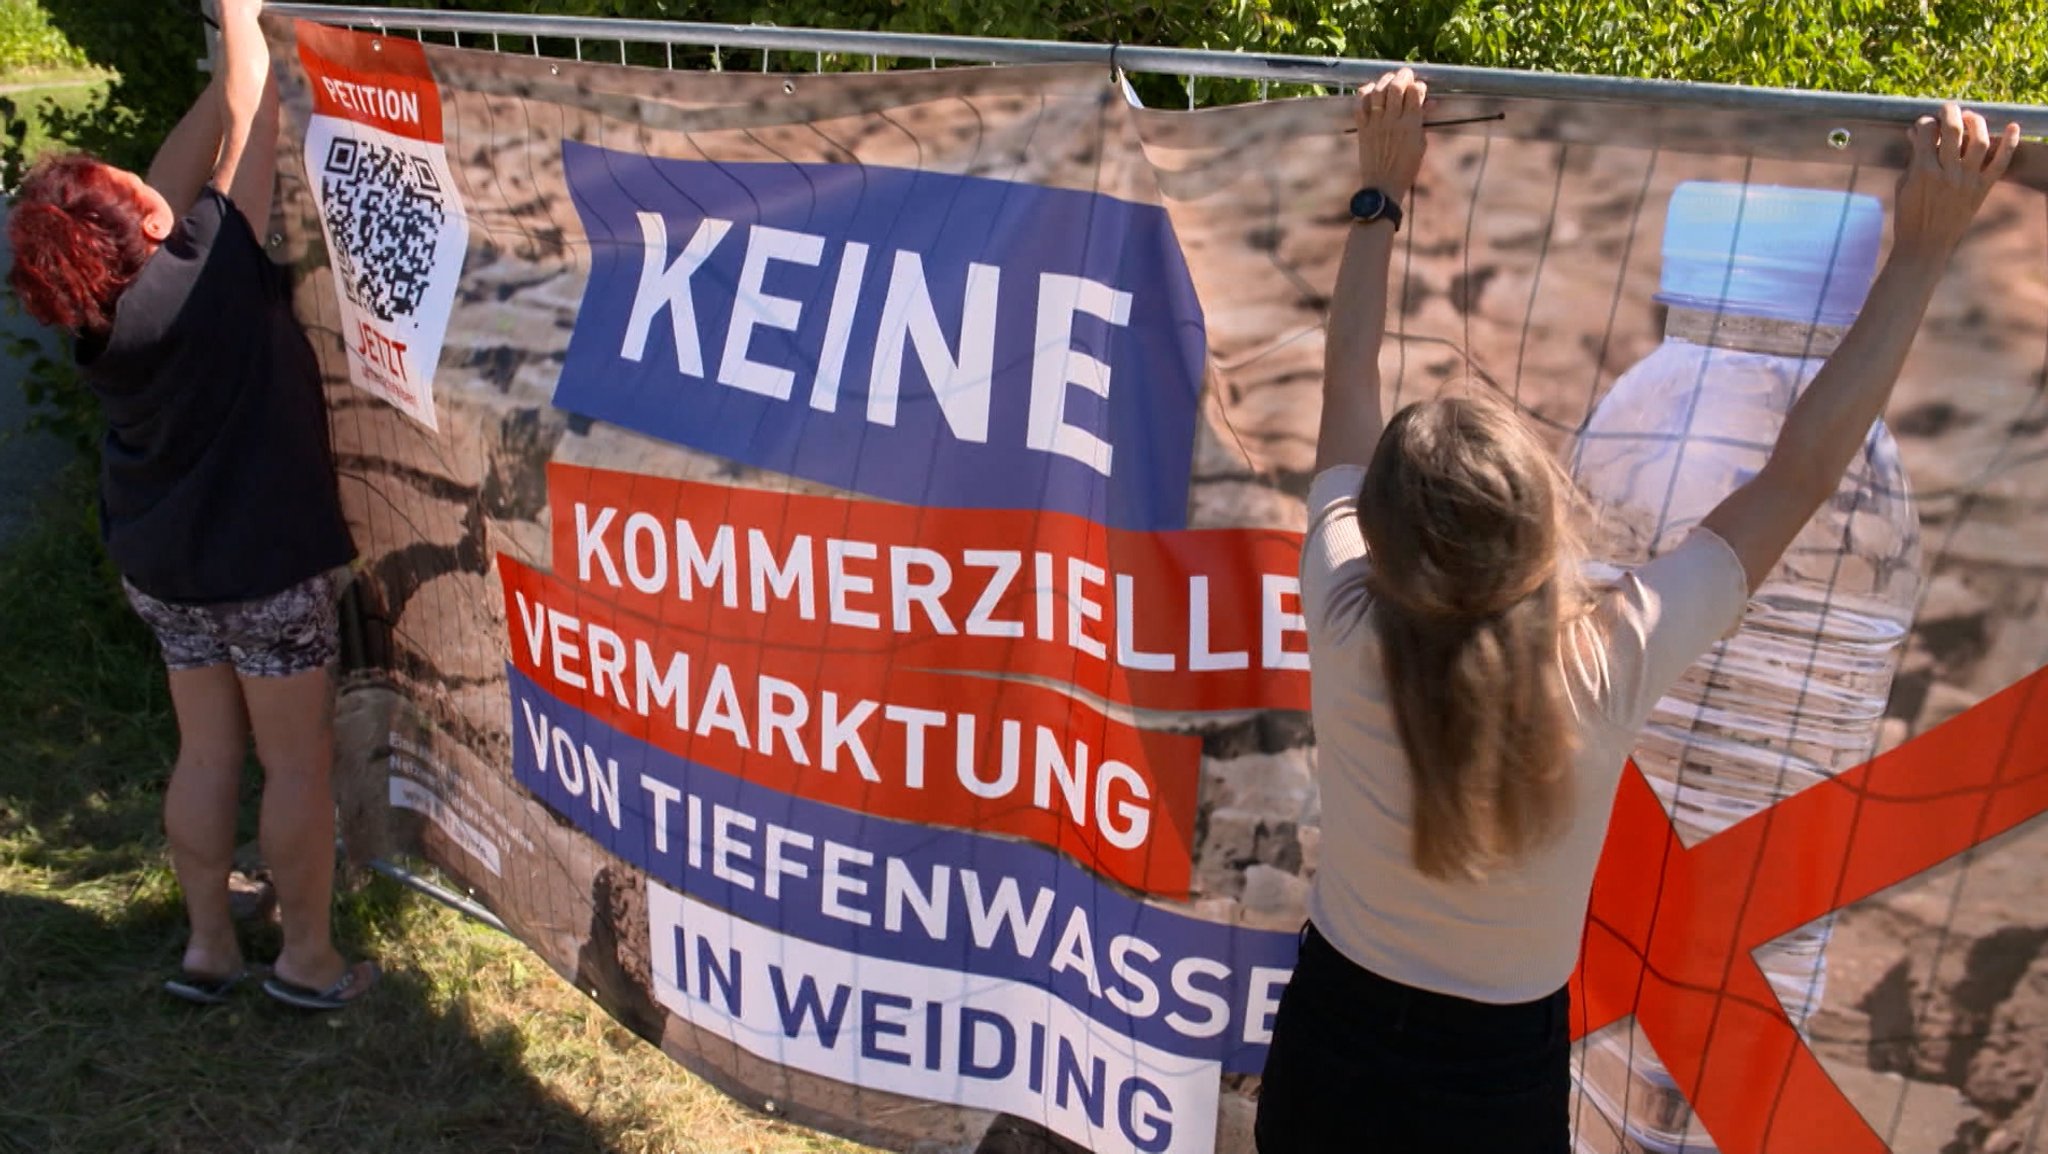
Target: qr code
[(384, 209)]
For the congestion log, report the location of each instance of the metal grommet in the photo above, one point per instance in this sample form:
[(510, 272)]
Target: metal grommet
[(1839, 138), (554, 70), (789, 88), (376, 46)]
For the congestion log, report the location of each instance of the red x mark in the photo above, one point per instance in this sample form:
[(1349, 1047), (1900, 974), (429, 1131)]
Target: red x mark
[(1670, 931)]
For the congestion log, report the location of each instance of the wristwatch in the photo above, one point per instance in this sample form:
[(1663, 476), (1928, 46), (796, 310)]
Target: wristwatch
[(1370, 204)]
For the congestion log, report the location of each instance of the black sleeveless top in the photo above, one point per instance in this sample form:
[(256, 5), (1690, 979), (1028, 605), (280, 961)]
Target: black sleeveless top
[(216, 479)]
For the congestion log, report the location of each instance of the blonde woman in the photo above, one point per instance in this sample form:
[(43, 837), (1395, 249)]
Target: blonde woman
[(1474, 704)]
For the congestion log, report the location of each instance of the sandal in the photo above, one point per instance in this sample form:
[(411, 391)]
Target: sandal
[(203, 990), (354, 983)]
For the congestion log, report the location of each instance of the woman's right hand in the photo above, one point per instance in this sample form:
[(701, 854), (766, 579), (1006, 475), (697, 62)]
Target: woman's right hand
[(1954, 164), (1390, 143)]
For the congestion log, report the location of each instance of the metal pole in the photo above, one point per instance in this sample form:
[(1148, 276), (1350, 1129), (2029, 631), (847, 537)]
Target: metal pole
[(1172, 61), (439, 893), (209, 11)]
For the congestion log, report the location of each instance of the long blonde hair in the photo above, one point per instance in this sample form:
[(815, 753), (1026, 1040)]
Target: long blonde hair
[(1474, 575)]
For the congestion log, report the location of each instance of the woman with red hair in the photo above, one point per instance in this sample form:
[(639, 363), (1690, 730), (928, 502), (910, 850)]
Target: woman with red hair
[(217, 494)]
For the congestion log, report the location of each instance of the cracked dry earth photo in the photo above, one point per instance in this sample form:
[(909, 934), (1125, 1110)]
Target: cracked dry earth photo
[(1527, 266)]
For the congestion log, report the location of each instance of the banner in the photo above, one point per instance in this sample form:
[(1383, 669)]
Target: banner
[(837, 599)]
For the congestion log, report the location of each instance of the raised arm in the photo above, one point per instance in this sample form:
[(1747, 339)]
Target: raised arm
[(186, 158), (246, 169), (1390, 148), (1954, 164)]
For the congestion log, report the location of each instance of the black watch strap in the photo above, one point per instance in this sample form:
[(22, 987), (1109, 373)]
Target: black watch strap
[(1371, 204)]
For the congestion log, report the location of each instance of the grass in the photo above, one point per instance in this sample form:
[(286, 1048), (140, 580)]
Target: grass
[(67, 92), (470, 1045)]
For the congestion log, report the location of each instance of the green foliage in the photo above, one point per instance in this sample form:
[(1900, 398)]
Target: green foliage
[(56, 404), (59, 403), (1975, 49), (30, 111), (152, 51), (30, 43), (1387, 29), (1984, 50)]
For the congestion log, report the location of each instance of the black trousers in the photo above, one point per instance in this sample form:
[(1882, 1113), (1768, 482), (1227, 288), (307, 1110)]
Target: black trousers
[(1363, 1064)]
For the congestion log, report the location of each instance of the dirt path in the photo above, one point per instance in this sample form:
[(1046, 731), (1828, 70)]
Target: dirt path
[(58, 83)]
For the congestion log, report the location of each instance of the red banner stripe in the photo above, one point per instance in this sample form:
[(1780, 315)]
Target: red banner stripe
[(381, 81), (1191, 620), (1034, 764)]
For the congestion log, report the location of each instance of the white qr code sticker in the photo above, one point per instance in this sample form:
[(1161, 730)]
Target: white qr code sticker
[(384, 208), (395, 230)]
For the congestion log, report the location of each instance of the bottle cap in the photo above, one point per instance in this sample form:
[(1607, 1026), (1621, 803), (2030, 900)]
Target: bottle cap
[(1796, 254)]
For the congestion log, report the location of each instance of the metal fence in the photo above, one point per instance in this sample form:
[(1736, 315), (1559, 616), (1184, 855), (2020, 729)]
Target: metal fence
[(601, 39)]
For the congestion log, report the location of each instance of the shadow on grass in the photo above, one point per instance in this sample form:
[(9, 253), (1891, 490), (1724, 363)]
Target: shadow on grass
[(86, 733), (95, 1058)]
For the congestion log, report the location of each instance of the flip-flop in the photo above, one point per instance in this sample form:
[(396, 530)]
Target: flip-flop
[(203, 990), (354, 983)]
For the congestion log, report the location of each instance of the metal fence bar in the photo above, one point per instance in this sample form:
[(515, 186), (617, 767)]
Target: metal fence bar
[(439, 893), (1170, 61)]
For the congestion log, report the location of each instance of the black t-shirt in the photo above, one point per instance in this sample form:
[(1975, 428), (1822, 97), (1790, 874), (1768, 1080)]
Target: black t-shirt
[(216, 478)]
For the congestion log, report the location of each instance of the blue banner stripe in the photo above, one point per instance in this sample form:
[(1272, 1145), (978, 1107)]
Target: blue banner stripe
[(1184, 984), (914, 336)]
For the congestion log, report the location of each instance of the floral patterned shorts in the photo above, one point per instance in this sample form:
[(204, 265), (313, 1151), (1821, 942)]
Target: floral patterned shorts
[(287, 633)]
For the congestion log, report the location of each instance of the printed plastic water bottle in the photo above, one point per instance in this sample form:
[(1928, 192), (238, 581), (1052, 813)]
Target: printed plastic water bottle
[(1761, 284)]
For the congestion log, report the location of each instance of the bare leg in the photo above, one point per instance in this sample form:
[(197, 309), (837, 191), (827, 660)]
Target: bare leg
[(294, 722), (199, 810)]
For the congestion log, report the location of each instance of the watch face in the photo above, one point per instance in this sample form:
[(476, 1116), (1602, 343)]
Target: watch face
[(1369, 204)]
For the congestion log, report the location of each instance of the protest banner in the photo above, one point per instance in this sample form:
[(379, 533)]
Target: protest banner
[(837, 602)]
